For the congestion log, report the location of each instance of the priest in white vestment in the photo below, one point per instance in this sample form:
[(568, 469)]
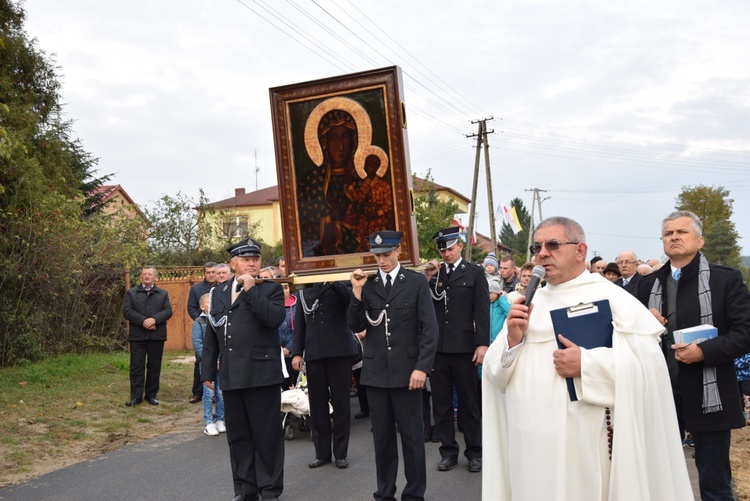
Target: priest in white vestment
[(540, 445)]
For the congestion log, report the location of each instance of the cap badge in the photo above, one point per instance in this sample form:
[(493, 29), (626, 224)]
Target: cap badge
[(378, 240)]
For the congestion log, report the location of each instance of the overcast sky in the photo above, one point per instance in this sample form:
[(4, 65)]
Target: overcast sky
[(611, 107)]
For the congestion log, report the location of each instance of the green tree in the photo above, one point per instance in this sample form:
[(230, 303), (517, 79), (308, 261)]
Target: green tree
[(60, 273), (518, 242), (714, 207), (432, 215), (182, 228), (37, 150)]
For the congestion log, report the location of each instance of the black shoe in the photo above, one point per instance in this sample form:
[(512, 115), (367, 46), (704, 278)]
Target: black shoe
[(435, 439), (133, 401), (152, 401), (342, 464), (318, 463), (475, 465), (447, 463), (244, 497), (361, 415)]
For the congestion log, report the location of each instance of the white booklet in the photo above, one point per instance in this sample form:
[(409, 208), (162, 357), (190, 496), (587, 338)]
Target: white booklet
[(696, 334)]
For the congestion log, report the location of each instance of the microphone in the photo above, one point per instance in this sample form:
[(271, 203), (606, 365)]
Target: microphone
[(537, 274)]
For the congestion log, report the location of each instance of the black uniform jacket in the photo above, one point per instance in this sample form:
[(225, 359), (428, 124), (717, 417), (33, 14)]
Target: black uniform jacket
[(323, 333), (388, 361), (463, 316), (731, 316), (139, 305), (249, 339)]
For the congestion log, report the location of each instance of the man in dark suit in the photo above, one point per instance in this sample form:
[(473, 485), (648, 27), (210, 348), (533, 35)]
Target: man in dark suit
[(244, 317), (194, 310), (689, 291), (628, 263), (323, 338), (460, 296), (394, 306), (147, 309)]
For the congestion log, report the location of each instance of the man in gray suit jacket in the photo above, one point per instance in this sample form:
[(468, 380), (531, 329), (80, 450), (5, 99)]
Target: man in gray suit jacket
[(628, 263), (244, 317), (395, 307)]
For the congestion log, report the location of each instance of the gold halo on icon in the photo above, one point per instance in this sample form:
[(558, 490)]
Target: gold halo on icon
[(365, 147)]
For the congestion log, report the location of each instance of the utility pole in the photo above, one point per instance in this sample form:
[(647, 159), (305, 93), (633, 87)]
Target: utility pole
[(257, 169), (536, 198), (481, 136), (531, 225)]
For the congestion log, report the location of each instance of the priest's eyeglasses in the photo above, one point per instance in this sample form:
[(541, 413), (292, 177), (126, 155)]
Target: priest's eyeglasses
[(551, 245)]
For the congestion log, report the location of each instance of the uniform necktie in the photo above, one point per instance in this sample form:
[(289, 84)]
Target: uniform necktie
[(388, 284), (676, 274), (236, 292), (450, 268)]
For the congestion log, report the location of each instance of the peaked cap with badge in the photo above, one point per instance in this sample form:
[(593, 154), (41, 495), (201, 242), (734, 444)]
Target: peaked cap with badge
[(384, 241), (245, 248), (447, 237)]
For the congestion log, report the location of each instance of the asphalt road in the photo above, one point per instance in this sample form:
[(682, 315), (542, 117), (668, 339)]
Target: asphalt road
[(191, 466)]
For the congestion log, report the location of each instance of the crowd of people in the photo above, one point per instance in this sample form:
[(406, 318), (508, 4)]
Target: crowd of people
[(548, 416)]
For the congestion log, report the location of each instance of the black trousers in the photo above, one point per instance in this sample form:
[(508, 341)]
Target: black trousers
[(388, 407), (145, 365), (712, 462), (197, 384), (330, 378), (364, 405), (256, 440), (456, 369)]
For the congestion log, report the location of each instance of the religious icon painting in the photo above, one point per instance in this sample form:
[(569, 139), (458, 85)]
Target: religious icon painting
[(343, 169)]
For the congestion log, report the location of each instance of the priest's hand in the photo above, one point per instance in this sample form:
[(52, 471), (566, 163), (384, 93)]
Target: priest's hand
[(687, 353), (568, 360), (518, 321)]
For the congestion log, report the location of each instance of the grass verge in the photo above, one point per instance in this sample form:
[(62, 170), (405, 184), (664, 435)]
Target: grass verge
[(69, 408)]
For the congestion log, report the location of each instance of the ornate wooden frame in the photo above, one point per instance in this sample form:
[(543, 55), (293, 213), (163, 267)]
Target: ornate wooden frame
[(374, 102)]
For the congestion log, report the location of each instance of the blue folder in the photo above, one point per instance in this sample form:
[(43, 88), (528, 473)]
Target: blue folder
[(589, 325)]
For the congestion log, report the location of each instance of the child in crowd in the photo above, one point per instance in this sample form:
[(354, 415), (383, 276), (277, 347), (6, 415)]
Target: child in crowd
[(491, 265), (198, 335), (286, 335), (499, 308)]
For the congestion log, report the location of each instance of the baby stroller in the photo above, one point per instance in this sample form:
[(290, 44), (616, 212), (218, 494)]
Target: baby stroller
[(296, 408)]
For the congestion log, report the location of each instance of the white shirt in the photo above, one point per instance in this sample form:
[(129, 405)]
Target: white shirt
[(393, 274), (455, 265)]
